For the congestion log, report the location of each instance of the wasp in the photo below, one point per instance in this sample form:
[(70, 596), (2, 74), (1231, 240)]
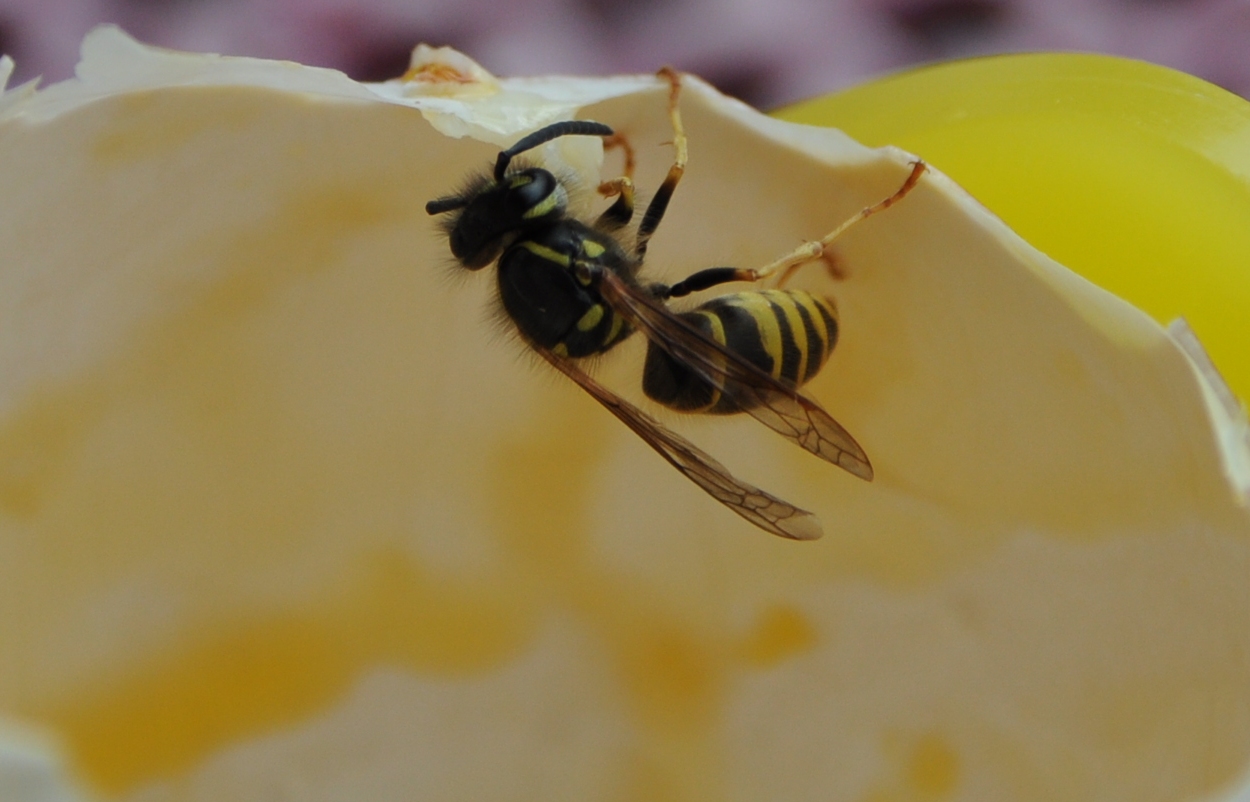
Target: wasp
[(574, 290)]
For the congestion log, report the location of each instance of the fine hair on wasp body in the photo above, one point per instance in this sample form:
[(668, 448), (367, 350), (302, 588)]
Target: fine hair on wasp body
[(574, 290)]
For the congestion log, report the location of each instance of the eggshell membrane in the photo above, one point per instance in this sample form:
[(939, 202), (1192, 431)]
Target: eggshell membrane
[(285, 510)]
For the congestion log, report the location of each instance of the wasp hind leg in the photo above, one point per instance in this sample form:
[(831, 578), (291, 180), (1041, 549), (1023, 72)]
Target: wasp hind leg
[(791, 262), (800, 256), (819, 249)]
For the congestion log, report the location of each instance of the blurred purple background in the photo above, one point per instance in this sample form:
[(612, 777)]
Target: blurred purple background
[(767, 52)]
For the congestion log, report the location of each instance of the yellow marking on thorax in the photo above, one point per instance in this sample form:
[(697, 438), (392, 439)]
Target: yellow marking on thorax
[(592, 249), (758, 307), (544, 252), (591, 319), (789, 307), (615, 330), (560, 349)]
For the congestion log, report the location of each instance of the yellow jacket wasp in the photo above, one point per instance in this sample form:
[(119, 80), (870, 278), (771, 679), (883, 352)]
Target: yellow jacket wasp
[(573, 290)]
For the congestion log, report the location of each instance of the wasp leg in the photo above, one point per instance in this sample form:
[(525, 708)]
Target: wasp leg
[(622, 142), (621, 212), (788, 264), (834, 266), (659, 202), (819, 249), (702, 280)]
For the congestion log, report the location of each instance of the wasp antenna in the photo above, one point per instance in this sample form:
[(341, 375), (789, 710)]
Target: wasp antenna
[(544, 135), (445, 205)]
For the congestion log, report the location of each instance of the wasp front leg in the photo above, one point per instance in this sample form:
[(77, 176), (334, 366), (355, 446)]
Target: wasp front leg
[(620, 213)]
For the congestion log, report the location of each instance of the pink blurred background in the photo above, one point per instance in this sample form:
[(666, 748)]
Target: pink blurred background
[(767, 52)]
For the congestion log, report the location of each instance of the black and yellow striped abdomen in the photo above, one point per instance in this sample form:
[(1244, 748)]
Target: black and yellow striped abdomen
[(788, 334)]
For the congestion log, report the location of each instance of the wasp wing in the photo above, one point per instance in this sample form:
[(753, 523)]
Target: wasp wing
[(777, 405), (760, 508)]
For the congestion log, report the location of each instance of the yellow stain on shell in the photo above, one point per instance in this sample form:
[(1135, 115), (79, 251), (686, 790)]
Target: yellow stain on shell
[(674, 673), (673, 669), (920, 768), (36, 449), (781, 632), (933, 767), (252, 676), (179, 456)]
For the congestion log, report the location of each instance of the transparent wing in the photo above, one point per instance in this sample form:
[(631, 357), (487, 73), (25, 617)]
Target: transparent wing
[(762, 509), (777, 405)]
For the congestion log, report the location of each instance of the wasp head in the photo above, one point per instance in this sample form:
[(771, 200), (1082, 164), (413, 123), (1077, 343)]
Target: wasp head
[(487, 212), (491, 209)]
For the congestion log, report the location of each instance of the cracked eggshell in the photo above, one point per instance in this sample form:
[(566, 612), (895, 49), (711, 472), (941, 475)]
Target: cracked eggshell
[(1134, 175), (281, 511)]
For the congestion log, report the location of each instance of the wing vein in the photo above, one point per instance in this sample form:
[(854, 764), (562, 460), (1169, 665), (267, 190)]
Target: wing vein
[(777, 404), (762, 509)]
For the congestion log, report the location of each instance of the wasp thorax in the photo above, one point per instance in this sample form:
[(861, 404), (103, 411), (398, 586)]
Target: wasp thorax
[(522, 199)]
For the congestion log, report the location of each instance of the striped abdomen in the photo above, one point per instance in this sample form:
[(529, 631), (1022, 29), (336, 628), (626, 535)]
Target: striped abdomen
[(788, 334)]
